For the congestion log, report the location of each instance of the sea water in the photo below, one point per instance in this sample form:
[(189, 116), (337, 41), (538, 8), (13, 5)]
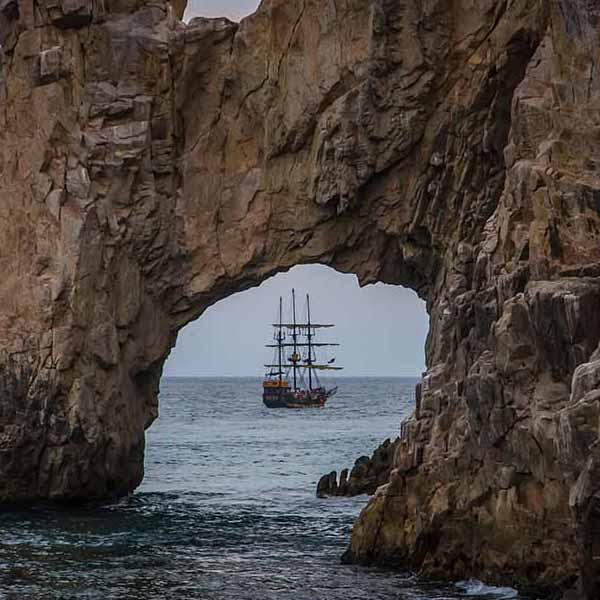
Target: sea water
[(227, 509)]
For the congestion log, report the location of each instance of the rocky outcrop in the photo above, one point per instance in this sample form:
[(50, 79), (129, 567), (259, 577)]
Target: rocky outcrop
[(149, 169), (513, 402), (367, 474)]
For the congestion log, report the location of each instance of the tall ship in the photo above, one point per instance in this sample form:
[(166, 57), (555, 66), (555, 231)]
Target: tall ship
[(292, 381)]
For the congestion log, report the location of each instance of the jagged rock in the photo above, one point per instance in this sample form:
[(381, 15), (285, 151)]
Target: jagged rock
[(149, 169), (368, 474), (327, 485), (70, 13)]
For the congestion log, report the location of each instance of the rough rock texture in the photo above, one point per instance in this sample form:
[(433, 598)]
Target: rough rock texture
[(367, 474), (149, 169)]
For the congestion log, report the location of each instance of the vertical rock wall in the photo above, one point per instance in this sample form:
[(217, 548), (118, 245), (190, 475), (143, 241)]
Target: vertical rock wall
[(494, 473)]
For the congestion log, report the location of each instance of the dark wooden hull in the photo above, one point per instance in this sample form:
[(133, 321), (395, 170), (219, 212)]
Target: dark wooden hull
[(285, 398)]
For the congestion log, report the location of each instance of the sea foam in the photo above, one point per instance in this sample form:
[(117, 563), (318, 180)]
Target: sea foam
[(477, 588)]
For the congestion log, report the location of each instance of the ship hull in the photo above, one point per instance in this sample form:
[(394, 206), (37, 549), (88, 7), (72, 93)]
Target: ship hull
[(282, 398)]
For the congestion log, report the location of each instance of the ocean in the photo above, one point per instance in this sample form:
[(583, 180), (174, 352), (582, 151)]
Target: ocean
[(227, 509)]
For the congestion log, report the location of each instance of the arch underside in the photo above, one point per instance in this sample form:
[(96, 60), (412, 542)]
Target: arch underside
[(149, 169)]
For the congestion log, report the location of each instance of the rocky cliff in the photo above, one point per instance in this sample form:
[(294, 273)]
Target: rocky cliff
[(149, 169)]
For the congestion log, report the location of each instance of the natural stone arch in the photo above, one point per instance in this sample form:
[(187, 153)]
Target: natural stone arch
[(149, 169), (396, 348)]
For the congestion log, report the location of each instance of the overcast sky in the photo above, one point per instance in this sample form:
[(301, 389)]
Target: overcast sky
[(233, 9), (381, 328)]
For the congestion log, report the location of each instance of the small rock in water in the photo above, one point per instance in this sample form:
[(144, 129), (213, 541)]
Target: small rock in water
[(365, 477), (327, 485)]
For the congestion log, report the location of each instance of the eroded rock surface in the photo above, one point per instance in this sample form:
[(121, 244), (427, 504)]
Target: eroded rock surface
[(149, 169), (367, 474)]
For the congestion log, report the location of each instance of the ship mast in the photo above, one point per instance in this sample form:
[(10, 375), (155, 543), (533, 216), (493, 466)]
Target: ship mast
[(280, 339), (295, 339), (298, 329), (309, 339)]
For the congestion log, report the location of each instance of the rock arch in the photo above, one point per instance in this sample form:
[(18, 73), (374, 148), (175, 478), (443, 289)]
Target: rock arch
[(149, 169)]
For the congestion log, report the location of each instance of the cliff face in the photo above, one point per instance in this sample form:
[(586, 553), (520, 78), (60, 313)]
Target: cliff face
[(149, 169), (511, 393)]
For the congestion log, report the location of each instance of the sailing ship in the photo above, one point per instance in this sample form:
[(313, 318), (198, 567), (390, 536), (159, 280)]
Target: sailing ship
[(292, 381)]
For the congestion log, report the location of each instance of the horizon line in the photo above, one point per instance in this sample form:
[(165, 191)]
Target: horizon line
[(261, 377)]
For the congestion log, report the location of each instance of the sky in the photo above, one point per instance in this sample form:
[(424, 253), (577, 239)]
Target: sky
[(233, 9), (381, 328)]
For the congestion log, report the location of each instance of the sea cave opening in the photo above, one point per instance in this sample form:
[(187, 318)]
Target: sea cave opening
[(211, 406)]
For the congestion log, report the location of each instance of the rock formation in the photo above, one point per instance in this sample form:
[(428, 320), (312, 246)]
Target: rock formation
[(149, 169), (367, 474)]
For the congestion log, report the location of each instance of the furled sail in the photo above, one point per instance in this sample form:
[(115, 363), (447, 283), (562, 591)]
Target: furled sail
[(299, 345), (292, 378)]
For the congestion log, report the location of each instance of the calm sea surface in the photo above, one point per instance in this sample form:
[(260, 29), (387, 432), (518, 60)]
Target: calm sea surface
[(228, 508)]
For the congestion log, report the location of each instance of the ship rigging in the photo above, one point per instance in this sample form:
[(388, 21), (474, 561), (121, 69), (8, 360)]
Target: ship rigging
[(291, 340)]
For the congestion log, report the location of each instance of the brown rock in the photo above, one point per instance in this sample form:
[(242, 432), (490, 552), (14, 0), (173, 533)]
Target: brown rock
[(327, 485)]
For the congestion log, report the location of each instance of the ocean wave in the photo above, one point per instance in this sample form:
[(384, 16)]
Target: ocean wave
[(478, 588)]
